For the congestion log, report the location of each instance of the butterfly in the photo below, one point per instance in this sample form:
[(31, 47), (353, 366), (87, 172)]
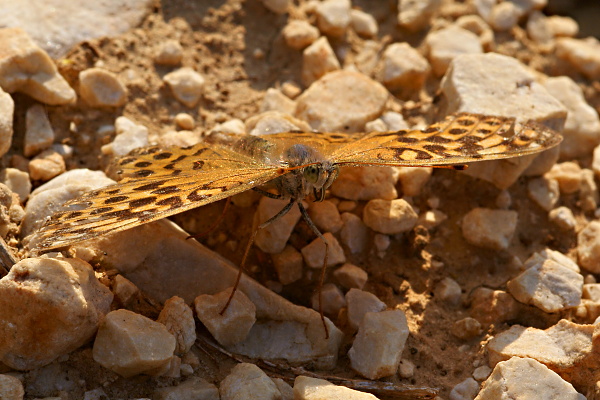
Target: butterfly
[(157, 183)]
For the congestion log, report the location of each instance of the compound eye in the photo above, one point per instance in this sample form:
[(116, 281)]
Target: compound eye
[(311, 173)]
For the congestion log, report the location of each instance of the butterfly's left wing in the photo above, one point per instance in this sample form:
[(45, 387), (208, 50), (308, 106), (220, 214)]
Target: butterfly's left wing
[(458, 139), (135, 202)]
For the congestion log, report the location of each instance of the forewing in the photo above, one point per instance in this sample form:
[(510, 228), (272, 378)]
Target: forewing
[(153, 162), (460, 138), (136, 202)]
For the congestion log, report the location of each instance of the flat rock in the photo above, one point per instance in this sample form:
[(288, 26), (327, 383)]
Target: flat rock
[(526, 379), (233, 326), (379, 343), (178, 318), (101, 88), (366, 183), (342, 101), (26, 68), (548, 285), (492, 229), (493, 84), (7, 107), (582, 127), (61, 295), (306, 388), (448, 43), (318, 59), (247, 378), (567, 348), (144, 346), (78, 21)]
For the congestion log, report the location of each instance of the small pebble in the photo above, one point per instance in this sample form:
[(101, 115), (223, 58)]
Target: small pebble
[(277, 6), (389, 217), (333, 17), (101, 88), (416, 15), (350, 276), (406, 369), (563, 218), (38, 131), (314, 252), (17, 181), (332, 297), (326, 216), (185, 121), (448, 291), (46, 165), (288, 265), (492, 229), (359, 304), (404, 68), (414, 179), (233, 326), (186, 84), (290, 89), (306, 388), (275, 100), (11, 388), (481, 373), (465, 390), (354, 234), (544, 191), (466, 328), (299, 34), (504, 16), (588, 247), (446, 44), (247, 378), (191, 388), (582, 54), (179, 320), (317, 60), (568, 175), (364, 24), (169, 53)]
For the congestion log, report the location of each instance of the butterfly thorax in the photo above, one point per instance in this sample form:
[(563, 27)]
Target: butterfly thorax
[(308, 173)]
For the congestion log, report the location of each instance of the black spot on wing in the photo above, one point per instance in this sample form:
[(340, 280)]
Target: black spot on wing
[(142, 202), (116, 199)]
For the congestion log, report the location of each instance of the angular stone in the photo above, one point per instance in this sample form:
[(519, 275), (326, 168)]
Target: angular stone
[(415, 15), (354, 234), (318, 59), (476, 24), (404, 68), (491, 229), (588, 247), (544, 191), (124, 290), (299, 34), (493, 306), (46, 165), (288, 265), (567, 348), (233, 326), (563, 218), (7, 108), (548, 286), (364, 24), (271, 122), (526, 378), (101, 88), (326, 216), (350, 276), (466, 328), (448, 43), (61, 295), (332, 300), (306, 388), (273, 238), (465, 390), (38, 131), (17, 181), (186, 84), (274, 100), (247, 378), (389, 217), (277, 6), (582, 127), (448, 291), (359, 304), (333, 17), (193, 388), (178, 318), (378, 346), (314, 252), (366, 183), (413, 179), (504, 16), (169, 53), (26, 68), (341, 101), (581, 54), (131, 344), (129, 136)]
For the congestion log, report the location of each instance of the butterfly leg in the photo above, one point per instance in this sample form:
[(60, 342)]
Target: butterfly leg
[(268, 194), (280, 214), (323, 268)]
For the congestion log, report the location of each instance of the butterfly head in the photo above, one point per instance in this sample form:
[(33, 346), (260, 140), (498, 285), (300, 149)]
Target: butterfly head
[(319, 177)]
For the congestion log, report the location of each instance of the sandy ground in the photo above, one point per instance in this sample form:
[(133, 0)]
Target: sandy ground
[(220, 40)]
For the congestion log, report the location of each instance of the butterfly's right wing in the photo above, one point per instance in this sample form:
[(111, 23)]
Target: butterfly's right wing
[(458, 139)]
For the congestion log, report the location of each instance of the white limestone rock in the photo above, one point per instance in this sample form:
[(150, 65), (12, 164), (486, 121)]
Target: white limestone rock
[(178, 318), (354, 234), (333, 17), (366, 183), (169, 52), (273, 238), (492, 229), (389, 217), (299, 34), (306, 388), (359, 304), (581, 54), (448, 43), (39, 134), (318, 59), (247, 378), (404, 68), (186, 84), (416, 14), (7, 108), (314, 252), (350, 276), (101, 88)]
